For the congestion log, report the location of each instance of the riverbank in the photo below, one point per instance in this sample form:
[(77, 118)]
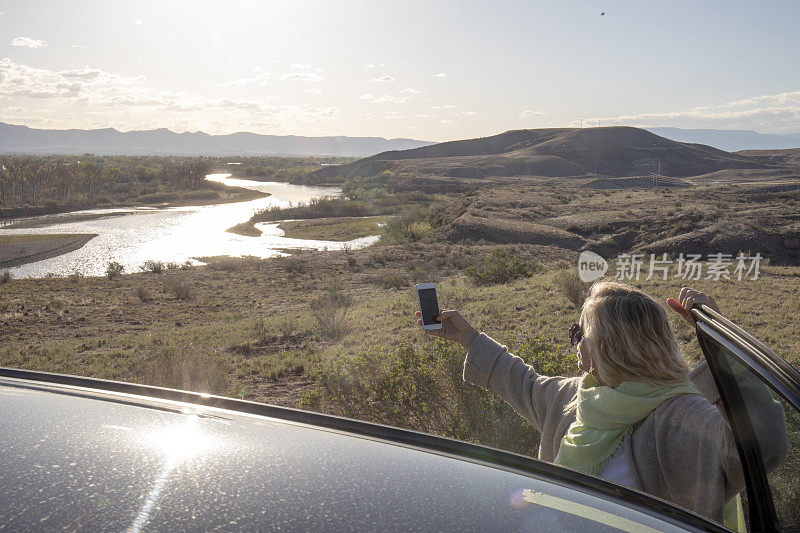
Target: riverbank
[(339, 229), (334, 229), (16, 250), (35, 217)]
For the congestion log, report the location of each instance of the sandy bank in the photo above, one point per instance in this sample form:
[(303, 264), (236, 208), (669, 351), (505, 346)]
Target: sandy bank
[(16, 250)]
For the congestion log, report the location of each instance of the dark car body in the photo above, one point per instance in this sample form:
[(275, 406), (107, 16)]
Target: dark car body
[(80, 453)]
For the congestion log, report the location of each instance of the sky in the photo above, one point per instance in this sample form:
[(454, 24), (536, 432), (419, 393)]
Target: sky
[(430, 70)]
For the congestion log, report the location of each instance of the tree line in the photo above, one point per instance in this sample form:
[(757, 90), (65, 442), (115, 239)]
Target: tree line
[(90, 179)]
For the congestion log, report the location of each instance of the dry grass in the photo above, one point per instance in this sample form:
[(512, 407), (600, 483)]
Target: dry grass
[(573, 288)]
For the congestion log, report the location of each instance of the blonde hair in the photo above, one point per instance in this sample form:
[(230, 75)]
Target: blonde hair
[(630, 337)]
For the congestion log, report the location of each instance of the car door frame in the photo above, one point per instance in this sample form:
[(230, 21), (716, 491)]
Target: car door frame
[(784, 379)]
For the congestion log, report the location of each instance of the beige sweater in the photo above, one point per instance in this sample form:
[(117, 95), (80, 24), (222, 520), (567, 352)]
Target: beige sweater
[(683, 452)]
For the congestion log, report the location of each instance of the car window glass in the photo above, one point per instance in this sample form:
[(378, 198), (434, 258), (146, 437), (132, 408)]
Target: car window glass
[(776, 429), (784, 481)]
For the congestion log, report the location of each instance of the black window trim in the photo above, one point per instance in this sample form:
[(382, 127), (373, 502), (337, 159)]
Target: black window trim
[(484, 455), (770, 367), (774, 371)]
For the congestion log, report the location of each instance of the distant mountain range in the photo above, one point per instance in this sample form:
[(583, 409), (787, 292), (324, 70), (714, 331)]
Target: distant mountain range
[(22, 139), (731, 140), (561, 152)]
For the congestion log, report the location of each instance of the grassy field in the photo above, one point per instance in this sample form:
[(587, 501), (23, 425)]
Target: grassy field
[(334, 331)]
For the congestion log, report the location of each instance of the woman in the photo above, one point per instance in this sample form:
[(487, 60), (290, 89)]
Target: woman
[(638, 416)]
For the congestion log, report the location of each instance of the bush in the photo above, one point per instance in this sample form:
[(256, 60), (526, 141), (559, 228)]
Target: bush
[(287, 326), (156, 267), (330, 312), (294, 265), (394, 281), (178, 289), (143, 294), (352, 262), (316, 208), (421, 388), (261, 331), (499, 268), (5, 277), (411, 225), (573, 288), (114, 270), (226, 264), (185, 367)]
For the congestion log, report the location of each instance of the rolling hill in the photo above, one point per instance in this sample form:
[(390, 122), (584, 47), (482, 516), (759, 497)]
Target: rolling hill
[(22, 139), (612, 152)]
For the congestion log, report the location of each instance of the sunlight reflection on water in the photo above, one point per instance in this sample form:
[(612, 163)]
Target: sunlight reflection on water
[(180, 234)]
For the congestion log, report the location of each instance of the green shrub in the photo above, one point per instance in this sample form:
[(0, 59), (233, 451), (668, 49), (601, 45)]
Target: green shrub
[(156, 267), (421, 388), (114, 270), (411, 225), (316, 208), (500, 268), (5, 277)]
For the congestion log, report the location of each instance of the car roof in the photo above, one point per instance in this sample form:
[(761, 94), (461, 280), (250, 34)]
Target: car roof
[(80, 457)]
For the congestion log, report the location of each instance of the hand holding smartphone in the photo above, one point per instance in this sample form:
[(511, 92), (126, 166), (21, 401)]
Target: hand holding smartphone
[(428, 305)]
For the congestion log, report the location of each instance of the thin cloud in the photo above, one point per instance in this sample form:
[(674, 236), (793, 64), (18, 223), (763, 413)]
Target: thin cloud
[(138, 22), (769, 112), (120, 101), (383, 99), (261, 79), (302, 76), (27, 42), (382, 79), (530, 114), (299, 66), (409, 90), (440, 75)]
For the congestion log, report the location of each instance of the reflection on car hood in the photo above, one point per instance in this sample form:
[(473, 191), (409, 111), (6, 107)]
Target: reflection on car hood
[(78, 459)]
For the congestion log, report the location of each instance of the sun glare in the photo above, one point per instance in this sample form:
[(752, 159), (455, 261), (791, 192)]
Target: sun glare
[(183, 441)]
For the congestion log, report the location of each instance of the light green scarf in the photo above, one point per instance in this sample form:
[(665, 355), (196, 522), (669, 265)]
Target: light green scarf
[(605, 415)]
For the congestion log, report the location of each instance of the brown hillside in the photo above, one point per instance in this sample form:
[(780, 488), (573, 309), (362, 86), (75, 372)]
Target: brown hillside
[(611, 152)]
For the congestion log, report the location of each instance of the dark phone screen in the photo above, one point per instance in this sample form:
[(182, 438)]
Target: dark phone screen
[(429, 306)]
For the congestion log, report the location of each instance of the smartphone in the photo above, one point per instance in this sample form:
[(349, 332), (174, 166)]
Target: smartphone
[(428, 305)]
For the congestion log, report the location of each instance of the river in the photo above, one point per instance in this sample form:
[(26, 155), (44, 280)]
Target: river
[(179, 234)]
